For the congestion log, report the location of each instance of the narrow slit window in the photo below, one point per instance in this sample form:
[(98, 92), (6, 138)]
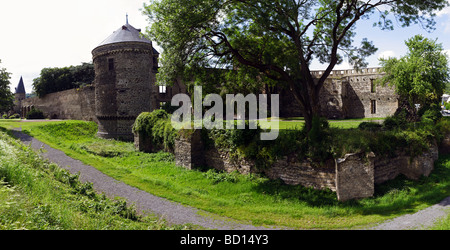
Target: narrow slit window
[(111, 64), (373, 87), (373, 106)]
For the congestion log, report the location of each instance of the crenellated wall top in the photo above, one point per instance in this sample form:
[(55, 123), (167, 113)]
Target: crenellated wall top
[(348, 72)]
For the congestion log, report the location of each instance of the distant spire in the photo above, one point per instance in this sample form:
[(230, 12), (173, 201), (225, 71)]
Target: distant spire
[(127, 18), (20, 88)]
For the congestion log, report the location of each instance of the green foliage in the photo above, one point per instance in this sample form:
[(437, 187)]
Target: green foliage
[(246, 143), (318, 140), (14, 116), (38, 195), (447, 105), (370, 126), (108, 148), (217, 177), (157, 126), (431, 114), (245, 198), (70, 130), (419, 77), (263, 42), (274, 35), (6, 96), (393, 136), (395, 122), (58, 79), (35, 114)]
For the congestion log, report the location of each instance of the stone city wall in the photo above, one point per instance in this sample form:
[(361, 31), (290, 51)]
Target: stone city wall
[(73, 104), (351, 177)]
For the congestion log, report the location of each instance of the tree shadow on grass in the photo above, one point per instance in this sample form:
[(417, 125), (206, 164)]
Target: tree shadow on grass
[(395, 197)]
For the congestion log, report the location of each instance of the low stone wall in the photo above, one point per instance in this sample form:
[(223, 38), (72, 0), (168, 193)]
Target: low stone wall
[(411, 167), (294, 172), (351, 177)]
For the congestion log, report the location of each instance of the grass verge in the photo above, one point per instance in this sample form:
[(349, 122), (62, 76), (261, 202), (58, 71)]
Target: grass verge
[(38, 195), (246, 198)]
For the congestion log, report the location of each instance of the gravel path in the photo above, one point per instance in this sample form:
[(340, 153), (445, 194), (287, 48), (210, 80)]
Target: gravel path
[(172, 212), (419, 221), (175, 213)]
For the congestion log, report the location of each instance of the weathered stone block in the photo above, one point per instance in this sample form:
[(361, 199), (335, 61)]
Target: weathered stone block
[(143, 143), (355, 176), (221, 160), (421, 165), (294, 172), (189, 150)]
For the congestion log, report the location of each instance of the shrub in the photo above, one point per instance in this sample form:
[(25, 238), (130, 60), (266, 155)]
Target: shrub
[(318, 140), (370, 126), (157, 126), (433, 115), (15, 116), (35, 114), (396, 122)]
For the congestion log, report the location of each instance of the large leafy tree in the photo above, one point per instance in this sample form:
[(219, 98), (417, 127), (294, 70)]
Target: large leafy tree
[(274, 39), (419, 77), (58, 79), (6, 97)]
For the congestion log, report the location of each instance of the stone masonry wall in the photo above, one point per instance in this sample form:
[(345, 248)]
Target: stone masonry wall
[(347, 94), (74, 104), (351, 177)]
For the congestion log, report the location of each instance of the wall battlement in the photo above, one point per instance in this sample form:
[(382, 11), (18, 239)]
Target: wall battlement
[(349, 72)]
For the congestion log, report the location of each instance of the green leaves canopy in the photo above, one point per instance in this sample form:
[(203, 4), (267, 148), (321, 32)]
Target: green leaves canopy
[(271, 42), (6, 97), (58, 79), (421, 75)]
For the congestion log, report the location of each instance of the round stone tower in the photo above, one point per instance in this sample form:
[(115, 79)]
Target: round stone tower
[(125, 68)]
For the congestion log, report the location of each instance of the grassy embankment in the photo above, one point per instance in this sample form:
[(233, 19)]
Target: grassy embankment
[(246, 198), (38, 195)]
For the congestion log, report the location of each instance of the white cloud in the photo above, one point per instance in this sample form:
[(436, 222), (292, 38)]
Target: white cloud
[(386, 54), (443, 12)]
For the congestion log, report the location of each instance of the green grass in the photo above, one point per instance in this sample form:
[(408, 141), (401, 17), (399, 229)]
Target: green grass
[(299, 122), (38, 195), (443, 224), (246, 198)]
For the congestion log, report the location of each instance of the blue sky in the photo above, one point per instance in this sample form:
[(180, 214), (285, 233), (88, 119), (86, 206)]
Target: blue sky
[(59, 33)]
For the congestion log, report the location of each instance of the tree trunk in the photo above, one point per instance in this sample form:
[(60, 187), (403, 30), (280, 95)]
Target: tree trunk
[(311, 108)]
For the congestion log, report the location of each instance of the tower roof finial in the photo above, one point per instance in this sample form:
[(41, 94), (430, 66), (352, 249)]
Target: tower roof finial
[(127, 18)]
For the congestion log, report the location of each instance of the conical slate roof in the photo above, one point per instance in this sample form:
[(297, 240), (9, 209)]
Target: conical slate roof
[(20, 88), (126, 33)]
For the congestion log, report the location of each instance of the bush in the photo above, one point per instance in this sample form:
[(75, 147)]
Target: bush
[(433, 115), (157, 126), (15, 116), (370, 126), (35, 114), (396, 122)]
